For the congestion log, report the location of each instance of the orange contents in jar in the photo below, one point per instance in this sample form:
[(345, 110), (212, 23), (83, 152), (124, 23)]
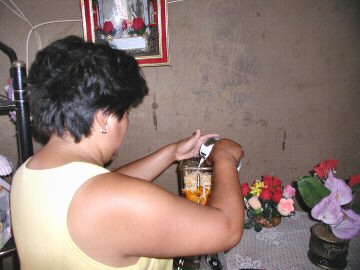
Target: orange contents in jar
[(197, 187)]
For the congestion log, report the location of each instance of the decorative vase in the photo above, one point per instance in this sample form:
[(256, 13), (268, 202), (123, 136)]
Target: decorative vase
[(326, 250), (267, 223)]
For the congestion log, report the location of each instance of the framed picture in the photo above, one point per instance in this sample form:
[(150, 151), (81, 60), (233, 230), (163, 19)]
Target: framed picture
[(139, 27)]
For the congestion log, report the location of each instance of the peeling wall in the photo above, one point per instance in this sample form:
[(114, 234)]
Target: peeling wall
[(280, 77)]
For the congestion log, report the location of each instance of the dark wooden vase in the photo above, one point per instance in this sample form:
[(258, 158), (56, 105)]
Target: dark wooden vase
[(266, 223), (326, 250)]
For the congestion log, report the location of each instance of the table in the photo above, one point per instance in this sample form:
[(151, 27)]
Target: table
[(283, 247)]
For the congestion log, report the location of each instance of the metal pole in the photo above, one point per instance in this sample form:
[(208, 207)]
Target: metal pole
[(24, 138)]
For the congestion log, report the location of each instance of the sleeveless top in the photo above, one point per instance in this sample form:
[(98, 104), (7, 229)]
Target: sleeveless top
[(40, 201)]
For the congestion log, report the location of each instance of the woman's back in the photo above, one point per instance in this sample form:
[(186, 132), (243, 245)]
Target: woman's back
[(40, 200)]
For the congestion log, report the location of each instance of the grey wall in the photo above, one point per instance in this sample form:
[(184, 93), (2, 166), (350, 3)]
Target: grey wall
[(280, 77)]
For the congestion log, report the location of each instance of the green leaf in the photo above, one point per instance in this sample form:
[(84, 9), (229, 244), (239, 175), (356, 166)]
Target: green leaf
[(356, 208), (248, 224), (257, 227), (356, 187), (312, 190), (250, 214)]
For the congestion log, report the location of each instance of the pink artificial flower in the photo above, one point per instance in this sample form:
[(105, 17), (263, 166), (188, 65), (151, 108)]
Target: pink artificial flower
[(328, 210), (340, 188), (289, 191), (254, 203), (286, 206), (349, 227)]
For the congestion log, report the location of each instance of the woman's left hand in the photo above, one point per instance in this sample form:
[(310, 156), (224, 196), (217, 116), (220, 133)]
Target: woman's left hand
[(190, 147)]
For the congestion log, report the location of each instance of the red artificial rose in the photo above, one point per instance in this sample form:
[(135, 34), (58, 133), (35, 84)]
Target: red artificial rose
[(268, 180), (138, 24), (245, 189), (277, 182), (266, 194), (108, 27), (277, 196), (354, 180)]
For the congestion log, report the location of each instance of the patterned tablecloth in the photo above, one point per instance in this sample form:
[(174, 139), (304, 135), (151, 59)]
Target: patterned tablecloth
[(283, 247)]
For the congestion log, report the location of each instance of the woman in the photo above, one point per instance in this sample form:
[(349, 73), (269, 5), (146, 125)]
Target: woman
[(69, 212)]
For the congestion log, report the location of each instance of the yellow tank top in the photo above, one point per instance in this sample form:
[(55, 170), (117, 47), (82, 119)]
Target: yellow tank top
[(40, 200)]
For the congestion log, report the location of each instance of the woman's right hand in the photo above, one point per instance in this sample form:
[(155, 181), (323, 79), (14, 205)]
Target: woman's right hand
[(226, 149)]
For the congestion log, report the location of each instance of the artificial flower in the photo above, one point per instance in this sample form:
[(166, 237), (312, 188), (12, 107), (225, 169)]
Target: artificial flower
[(289, 192), (266, 194), (324, 167), (340, 188), (245, 189), (331, 200), (254, 203), (348, 227), (277, 196), (285, 206), (138, 24), (272, 182), (257, 188), (108, 27), (354, 180), (328, 210), (262, 201)]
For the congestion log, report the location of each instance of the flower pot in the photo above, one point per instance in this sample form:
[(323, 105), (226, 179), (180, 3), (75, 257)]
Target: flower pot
[(326, 250), (266, 223)]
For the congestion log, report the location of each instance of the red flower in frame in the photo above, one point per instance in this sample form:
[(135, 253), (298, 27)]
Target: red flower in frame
[(138, 24), (108, 27)]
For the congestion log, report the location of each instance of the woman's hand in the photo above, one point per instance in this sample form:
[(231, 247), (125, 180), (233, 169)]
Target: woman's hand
[(226, 149), (190, 147)]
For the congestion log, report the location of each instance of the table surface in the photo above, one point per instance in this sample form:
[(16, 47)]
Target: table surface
[(283, 247)]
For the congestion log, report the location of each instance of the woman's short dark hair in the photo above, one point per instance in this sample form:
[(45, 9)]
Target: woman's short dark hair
[(72, 79)]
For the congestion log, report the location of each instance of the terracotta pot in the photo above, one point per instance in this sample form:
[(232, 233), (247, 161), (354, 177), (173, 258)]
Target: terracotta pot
[(326, 250), (266, 223)]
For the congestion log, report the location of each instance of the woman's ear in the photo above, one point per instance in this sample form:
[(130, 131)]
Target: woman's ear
[(101, 121)]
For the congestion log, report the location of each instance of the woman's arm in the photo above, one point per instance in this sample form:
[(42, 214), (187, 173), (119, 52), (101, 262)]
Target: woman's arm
[(151, 166), (138, 219)]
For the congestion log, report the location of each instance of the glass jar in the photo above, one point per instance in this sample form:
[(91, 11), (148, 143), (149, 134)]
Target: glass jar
[(195, 181), (195, 185)]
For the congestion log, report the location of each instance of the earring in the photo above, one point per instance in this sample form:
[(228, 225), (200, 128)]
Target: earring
[(104, 129)]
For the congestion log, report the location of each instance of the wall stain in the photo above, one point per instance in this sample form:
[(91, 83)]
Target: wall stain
[(284, 139), (154, 107)]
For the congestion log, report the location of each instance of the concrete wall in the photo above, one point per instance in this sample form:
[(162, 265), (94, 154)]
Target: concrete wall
[(280, 77)]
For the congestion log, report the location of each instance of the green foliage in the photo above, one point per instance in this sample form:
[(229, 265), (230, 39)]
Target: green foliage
[(312, 190), (257, 227), (356, 188), (248, 224)]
